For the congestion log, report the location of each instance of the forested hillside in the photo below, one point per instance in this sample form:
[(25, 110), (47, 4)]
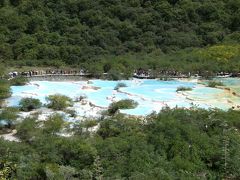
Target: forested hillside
[(34, 32)]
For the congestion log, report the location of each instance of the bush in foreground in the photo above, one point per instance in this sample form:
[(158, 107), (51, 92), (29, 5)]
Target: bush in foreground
[(182, 88), (174, 144), (213, 84), (9, 113), (4, 89), (54, 124), (29, 104), (19, 81), (28, 129), (71, 112), (122, 104), (8, 118), (119, 85), (114, 75), (59, 102)]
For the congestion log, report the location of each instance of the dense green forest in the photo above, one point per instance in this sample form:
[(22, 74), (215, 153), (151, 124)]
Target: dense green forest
[(175, 144), (161, 33)]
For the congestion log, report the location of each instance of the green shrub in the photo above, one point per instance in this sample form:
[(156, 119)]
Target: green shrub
[(9, 113), (19, 81), (4, 89), (28, 129), (54, 124), (29, 104), (213, 84), (122, 104), (71, 112), (59, 102), (165, 79), (182, 88), (114, 75), (119, 85), (89, 124), (8, 116)]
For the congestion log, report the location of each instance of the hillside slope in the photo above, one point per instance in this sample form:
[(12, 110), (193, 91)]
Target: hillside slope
[(75, 31)]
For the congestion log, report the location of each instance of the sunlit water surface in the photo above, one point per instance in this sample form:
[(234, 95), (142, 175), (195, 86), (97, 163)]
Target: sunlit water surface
[(151, 95)]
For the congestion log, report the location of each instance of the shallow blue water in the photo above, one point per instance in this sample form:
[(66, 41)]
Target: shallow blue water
[(151, 95), (229, 81)]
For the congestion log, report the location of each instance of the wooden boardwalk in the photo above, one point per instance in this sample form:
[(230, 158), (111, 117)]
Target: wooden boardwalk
[(58, 77), (86, 75), (54, 75)]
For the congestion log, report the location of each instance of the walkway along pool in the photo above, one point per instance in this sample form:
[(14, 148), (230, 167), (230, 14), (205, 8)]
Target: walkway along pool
[(151, 95)]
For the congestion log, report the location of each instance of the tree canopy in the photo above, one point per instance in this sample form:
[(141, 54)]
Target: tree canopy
[(47, 32), (174, 144)]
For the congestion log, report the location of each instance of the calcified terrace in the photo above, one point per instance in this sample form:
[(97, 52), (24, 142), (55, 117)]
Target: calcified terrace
[(151, 95)]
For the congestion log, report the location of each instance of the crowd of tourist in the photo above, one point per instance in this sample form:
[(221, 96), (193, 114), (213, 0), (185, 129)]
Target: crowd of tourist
[(141, 73), (138, 73), (47, 72)]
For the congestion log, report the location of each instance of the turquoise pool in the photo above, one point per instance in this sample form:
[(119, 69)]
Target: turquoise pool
[(151, 95)]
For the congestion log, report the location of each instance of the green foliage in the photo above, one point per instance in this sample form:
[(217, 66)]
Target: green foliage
[(4, 90), (9, 113), (59, 102), (182, 88), (54, 124), (82, 32), (54, 171), (71, 112), (119, 85), (95, 69), (114, 75), (221, 53), (7, 170), (213, 84), (89, 124), (122, 104), (19, 81), (2, 70), (172, 141), (174, 144), (29, 104), (82, 128), (77, 150), (27, 130)]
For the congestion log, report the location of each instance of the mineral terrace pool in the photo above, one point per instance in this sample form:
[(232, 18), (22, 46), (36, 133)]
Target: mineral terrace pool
[(151, 95)]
